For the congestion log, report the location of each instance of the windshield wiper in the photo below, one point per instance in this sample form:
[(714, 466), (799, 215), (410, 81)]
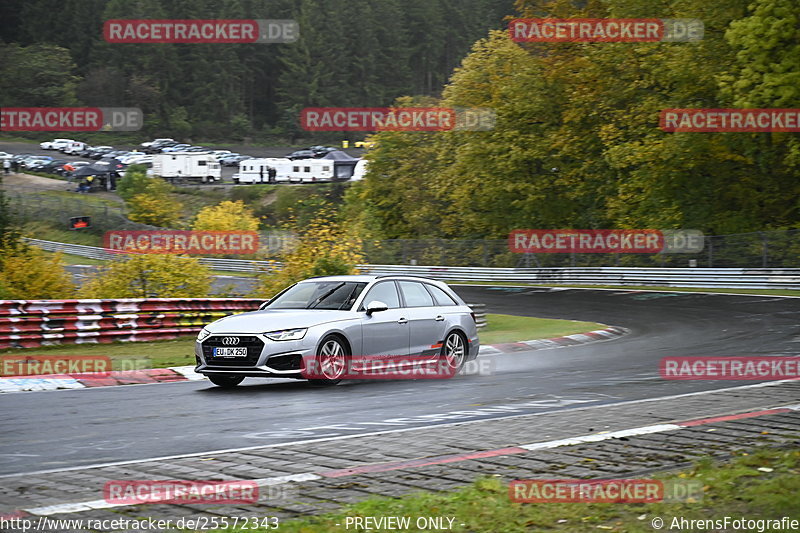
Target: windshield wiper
[(321, 298)]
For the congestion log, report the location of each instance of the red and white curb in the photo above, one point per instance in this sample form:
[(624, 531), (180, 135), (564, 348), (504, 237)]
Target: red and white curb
[(76, 507), (606, 334), (187, 373), (107, 379)]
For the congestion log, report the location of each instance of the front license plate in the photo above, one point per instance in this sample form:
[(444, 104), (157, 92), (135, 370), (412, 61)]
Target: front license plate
[(230, 352)]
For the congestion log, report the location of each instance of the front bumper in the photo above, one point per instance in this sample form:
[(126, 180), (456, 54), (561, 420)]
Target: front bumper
[(265, 358)]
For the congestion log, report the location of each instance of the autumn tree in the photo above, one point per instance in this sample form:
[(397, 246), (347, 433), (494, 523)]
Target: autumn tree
[(226, 216), (150, 276)]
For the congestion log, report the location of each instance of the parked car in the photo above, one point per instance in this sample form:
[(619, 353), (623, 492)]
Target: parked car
[(175, 148), (6, 155), (320, 151), (219, 154), (157, 141), (335, 321), (99, 151), (156, 147), (230, 160), (55, 144), (31, 162), (301, 154), (51, 167)]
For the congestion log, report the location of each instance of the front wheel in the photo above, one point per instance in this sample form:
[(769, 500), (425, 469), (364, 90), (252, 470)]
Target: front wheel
[(454, 351), (332, 359), (226, 382)]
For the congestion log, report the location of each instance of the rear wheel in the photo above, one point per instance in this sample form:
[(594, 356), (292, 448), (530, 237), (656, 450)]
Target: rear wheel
[(332, 358), (454, 351), (226, 382)]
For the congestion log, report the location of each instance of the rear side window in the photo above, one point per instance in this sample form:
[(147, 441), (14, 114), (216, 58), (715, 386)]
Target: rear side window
[(439, 296), (415, 294), (385, 292)]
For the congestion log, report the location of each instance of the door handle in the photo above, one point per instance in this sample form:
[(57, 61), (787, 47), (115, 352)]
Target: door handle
[(402, 321), (439, 318)]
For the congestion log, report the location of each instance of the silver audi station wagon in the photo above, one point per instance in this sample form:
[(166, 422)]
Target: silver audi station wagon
[(331, 320)]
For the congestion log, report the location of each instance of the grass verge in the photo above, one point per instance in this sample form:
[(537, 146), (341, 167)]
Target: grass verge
[(124, 355), (180, 352), (510, 328), (760, 486)]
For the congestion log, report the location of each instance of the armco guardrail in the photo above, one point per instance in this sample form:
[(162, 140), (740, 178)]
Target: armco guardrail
[(32, 323), (742, 278)]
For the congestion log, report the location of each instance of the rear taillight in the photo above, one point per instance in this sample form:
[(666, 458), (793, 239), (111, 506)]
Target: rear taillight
[(473, 317)]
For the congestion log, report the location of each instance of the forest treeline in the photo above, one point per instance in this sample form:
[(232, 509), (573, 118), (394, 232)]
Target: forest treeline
[(356, 53), (577, 142)]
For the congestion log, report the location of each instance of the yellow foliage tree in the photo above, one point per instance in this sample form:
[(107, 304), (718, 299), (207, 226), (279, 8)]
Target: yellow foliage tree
[(151, 276), (154, 209), (27, 273), (226, 216), (323, 248)]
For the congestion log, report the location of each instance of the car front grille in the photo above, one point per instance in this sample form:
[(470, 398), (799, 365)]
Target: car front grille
[(253, 344)]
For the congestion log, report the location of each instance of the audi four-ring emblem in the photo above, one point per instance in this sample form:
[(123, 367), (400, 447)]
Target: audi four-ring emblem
[(230, 341)]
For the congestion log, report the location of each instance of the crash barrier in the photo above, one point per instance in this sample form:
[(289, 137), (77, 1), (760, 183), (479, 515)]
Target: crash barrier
[(741, 278), (33, 323)]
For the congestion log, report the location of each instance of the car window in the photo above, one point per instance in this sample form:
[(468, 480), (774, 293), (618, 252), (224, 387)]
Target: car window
[(414, 294), (330, 295), (439, 296), (385, 292)]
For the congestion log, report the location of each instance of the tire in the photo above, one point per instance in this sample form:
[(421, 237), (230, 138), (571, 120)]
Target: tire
[(333, 355), (226, 382), (236, 181), (454, 351)]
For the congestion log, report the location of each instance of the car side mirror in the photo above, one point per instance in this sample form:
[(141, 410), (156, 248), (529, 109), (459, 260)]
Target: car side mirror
[(376, 306), (263, 305)]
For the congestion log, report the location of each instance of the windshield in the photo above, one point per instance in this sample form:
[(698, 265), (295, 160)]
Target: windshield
[(336, 295)]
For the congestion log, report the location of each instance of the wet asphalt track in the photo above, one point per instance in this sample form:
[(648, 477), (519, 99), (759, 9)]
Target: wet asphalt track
[(47, 430)]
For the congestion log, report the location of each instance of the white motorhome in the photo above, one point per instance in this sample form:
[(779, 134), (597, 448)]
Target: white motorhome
[(359, 171), (287, 171), (325, 169), (187, 165)]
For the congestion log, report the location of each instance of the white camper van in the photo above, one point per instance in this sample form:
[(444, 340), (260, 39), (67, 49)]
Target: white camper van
[(187, 165), (287, 171)]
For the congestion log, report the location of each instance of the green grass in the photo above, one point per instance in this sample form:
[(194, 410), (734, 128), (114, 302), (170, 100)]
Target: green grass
[(159, 354), (508, 328), (85, 199), (49, 231), (736, 489), (765, 292)]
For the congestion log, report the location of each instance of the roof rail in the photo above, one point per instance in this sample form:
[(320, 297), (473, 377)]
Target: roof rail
[(403, 276)]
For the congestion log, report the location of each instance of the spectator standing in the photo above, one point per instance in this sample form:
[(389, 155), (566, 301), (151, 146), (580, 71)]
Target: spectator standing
[(6, 166)]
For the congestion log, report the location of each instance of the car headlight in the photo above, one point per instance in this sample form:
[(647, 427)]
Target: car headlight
[(286, 334), (203, 334)]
